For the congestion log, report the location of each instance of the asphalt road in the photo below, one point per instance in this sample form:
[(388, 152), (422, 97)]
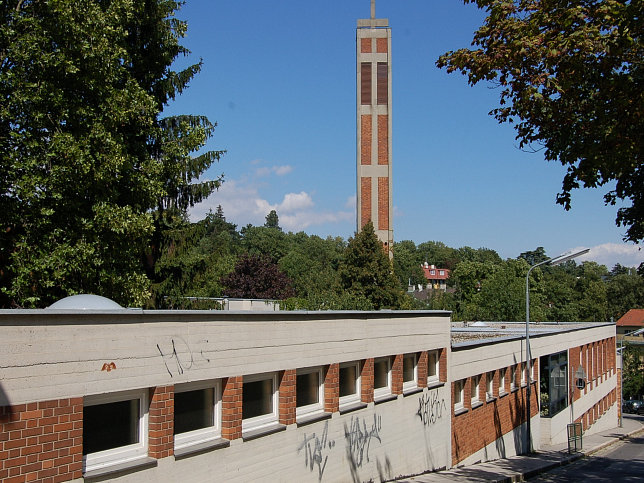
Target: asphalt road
[(621, 462)]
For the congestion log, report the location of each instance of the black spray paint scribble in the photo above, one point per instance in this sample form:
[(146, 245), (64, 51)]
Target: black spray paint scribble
[(358, 438), (430, 408), (188, 359), (315, 449)]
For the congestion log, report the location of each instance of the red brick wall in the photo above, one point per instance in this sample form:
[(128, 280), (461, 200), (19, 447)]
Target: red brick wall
[(383, 139), (422, 369), (383, 203), (491, 419), (366, 381), (287, 396), (366, 132), (332, 388), (41, 441), (365, 194), (365, 46), (442, 369), (381, 46), (161, 422), (231, 407), (397, 374)]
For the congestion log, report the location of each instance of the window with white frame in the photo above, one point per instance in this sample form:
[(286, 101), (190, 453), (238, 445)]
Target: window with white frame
[(458, 394), (489, 385), (115, 428), (381, 377), (410, 371), (502, 381), (524, 368), (475, 383), (349, 382), (197, 413), (309, 394), (259, 400), (513, 377), (433, 372)]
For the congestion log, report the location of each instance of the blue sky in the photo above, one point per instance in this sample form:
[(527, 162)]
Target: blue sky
[(279, 79)]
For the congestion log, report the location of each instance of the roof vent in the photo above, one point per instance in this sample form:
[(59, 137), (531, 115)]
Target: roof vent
[(85, 302)]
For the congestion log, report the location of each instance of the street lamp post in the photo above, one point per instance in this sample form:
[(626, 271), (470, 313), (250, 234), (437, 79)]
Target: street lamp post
[(528, 367)]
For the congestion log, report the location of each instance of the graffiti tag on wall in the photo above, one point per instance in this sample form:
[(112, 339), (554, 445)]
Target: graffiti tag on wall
[(180, 357), (358, 438), (316, 450), (430, 408)]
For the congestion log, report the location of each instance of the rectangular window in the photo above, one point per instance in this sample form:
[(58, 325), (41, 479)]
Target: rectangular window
[(432, 366), (441, 273), (523, 374), (381, 377), (349, 382), (197, 414), (259, 400), (309, 391), (502, 389), (458, 394), (410, 378), (383, 83), (489, 385), (365, 83), (554, 383), (474, 389), (114, 429)]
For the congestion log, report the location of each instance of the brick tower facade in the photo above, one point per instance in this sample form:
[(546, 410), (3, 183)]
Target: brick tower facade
[(374, 190)]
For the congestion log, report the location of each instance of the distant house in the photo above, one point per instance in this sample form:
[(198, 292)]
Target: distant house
[(629, 322), (436, 277)]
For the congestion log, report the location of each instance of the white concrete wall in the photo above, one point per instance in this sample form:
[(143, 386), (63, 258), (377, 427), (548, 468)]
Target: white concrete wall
[(51, 355)]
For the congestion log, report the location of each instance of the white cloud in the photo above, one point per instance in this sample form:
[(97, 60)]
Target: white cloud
[(282, 170), (265, 171), (609, 254), (243, 204), (351, 203)]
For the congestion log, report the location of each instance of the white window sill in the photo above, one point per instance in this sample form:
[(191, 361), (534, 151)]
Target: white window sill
[(203, 447), (250, 434), (125, 467)]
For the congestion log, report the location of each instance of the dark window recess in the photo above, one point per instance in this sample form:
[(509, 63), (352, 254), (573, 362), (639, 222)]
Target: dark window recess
[(257, 398), (409, 366), (380, 374), (193, 410), (110, 425), (308, 389), (348, 380), (365, 83), (383, 84)]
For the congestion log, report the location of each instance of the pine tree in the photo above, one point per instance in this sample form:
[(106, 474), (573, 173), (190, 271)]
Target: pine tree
[(367, 272)]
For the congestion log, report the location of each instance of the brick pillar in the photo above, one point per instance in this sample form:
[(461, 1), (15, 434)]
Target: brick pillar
[(467, 393), (422, 369), (332, 389), (495, 384), (397, 375), (231, 407), (366, 381), (42, 440), (574, 357), (161, 422), (442, 365), (287, 394)]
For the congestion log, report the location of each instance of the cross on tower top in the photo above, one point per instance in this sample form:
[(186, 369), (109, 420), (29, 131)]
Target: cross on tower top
[(373, 9)]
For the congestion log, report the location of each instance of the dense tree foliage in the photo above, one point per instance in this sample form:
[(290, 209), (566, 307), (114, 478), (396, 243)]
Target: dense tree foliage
[(633, 371), (366, 271), (571, 76), (257, 277), (89, 168)]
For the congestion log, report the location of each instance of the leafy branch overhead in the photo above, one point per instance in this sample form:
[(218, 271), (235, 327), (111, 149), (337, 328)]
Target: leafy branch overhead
[(571, 77)]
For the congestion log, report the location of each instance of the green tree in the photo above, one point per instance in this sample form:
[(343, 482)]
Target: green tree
[(633, 371), (272, 220), (407, 265), (534, 256), (263, 241), (367, 272), (88, 163), (624, 292), (571, 76)]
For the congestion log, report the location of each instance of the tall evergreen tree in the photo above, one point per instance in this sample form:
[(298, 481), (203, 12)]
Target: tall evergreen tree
[(367, 272), (87, 162)]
